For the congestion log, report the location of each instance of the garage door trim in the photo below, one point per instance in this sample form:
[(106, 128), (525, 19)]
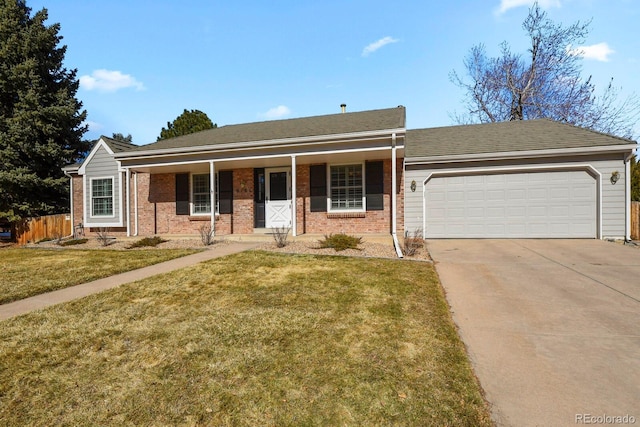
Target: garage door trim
[(519, 169)]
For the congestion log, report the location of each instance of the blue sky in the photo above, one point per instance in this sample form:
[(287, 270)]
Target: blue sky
[(141, 62)]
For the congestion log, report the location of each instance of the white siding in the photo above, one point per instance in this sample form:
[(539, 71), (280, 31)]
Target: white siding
[(102, 165)]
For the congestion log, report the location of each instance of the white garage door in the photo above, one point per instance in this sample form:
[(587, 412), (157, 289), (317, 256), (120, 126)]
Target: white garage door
[(537, 204)]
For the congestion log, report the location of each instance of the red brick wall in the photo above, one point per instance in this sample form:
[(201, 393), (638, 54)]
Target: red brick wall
[(242, 201), (157, 209), (77, 200), (371, 222)]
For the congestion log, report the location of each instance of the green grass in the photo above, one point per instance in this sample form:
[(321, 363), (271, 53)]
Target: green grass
[(74, 242), (147, 242), (251, 339), (340, 242), (29, 272)]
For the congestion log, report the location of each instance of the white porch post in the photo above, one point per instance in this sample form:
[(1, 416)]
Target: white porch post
[(294, 231), (135, 204), (212, 185), (73, 225), (627, 197), (394, 219), (127, 193)]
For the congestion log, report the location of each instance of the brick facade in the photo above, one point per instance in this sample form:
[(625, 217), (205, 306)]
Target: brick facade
[(156, 204), (360, 223)]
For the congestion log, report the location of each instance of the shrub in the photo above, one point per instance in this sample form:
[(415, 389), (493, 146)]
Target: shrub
[(147, 242), (280, 235), (206, 235), (73, 242), (340, 242), (103, 236), (413, 242)]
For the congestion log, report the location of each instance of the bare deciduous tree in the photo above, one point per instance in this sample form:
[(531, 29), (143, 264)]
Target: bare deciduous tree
[(543, 83)]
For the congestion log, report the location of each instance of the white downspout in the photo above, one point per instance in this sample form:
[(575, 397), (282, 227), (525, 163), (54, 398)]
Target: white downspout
[(627, 199), (135, 204), (394, 215), (71, 201), (212, 185), (127, 200), (294, 229)]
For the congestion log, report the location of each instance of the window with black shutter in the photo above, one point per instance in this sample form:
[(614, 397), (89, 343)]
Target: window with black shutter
[(318, 187), (225, 184), (374, 181), (182, 194)]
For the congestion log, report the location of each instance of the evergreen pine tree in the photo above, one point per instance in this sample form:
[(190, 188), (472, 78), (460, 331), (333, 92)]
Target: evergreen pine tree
[(41, 121)]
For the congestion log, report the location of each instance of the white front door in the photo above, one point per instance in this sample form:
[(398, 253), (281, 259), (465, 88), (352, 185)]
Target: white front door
[(278, 197)]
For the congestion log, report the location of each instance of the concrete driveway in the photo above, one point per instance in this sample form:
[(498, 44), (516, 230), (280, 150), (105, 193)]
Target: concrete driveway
[(552, 326)]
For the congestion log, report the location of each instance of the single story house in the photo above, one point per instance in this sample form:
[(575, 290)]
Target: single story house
[(361, 173)]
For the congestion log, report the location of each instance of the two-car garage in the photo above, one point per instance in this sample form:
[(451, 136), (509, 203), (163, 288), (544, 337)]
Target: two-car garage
[(522, 179), (536, 204)]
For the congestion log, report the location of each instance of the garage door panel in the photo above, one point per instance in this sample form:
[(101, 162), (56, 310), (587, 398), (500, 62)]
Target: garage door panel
[(516, 194), (537, 204), (496, 195), (560, 193), (537, 193), (455, 196), (475, 195)]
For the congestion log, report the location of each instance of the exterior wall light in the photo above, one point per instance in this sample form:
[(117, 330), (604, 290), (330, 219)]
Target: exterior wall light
[(413, 186), (615, 176)]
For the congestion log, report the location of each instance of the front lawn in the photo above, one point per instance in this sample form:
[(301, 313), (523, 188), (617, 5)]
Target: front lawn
[(29, 272), (256, 338)]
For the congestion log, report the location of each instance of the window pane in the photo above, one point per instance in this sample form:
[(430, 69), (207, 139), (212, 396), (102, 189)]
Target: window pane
[(200, 184), (102, 187), (102, 197), (346, 187), (201, 193)]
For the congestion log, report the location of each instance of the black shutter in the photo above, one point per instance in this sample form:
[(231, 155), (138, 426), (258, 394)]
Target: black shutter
[(318, 187), (182, 194), (375, 185), (225, 184)]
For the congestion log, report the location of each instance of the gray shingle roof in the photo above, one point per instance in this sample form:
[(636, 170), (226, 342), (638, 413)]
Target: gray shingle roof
[(118, 146), (524, 135), (332, 124)]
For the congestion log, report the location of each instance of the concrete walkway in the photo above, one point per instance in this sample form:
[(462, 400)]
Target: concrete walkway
[(552, 326), (74, 292)]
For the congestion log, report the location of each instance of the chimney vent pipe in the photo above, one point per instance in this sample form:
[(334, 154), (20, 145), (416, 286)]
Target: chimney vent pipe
[(344, 108)]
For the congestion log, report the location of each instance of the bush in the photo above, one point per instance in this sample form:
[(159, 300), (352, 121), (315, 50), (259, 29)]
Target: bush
[(413, 242), (73, 242), (206, 235), (340, 242), (280, 235), (147, 242), (103, 236)]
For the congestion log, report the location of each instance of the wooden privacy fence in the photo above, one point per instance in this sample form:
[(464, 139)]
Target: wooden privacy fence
[(635, 220), (44, 227)]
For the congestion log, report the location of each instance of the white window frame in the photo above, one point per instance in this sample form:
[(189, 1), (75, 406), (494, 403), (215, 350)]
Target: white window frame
[(216, 195), (330, 207), (113, 197)]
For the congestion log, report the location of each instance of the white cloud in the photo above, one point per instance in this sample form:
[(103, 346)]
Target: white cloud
[(93, 126), (378, 44), (598, 52), (511, 4), (276, 112), (109, 81)]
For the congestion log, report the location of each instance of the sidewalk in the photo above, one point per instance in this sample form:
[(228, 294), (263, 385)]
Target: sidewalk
[(37, 302)]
